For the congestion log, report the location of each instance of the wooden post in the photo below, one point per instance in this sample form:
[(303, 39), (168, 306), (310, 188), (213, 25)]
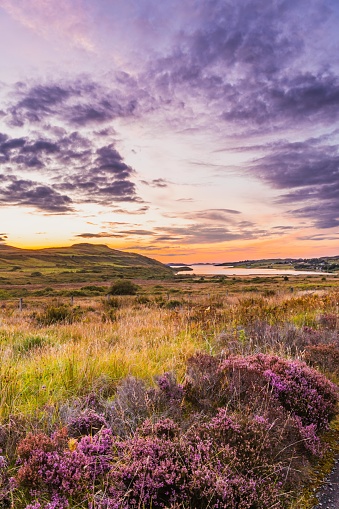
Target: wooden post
[(72, 300), (20, 303)]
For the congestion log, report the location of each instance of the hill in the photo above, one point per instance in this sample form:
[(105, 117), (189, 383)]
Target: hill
[(78, 263), (322, 264)]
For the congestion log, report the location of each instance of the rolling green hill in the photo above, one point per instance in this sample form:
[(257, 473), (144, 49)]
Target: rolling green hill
[(77, 263)]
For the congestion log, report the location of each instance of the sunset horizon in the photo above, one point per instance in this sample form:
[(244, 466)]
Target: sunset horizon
[(186, 259), (194, 130)]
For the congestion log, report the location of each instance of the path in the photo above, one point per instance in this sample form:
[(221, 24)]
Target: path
[(328, 495)]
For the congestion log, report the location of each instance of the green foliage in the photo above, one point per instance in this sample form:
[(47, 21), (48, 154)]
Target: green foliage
[(44, 292), (112, 303), (143, 299), (59, 314), (173, 304), (27, 344), (123, 288)]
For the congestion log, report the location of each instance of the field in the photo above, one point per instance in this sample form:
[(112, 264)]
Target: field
[(195, 392)]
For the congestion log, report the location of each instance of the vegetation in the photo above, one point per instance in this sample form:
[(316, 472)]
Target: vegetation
[(217, 394), (323, 264), (123, 288), (75, 264)]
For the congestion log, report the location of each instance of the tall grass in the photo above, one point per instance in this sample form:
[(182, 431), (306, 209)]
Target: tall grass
[(55, 358), (47, 364)]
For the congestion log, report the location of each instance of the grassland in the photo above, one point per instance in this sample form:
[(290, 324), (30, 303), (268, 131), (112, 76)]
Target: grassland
[(80, 263), (59, 355)]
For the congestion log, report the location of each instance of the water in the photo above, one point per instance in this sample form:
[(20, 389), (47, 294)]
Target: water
[(210, 270)]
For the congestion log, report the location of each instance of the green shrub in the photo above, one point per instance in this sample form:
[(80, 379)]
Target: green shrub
[(123, 288), (173, 304), (59, 314), (143, 299), (269, 293), (112, 303)]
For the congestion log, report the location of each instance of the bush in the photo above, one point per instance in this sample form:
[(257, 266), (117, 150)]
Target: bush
[(112, 303), (324, 357), (239, 434), (123, 288), (173, 304), (87, 422), (299, 389), (329, 321), (232, 460), (59, 314), (143, 300)]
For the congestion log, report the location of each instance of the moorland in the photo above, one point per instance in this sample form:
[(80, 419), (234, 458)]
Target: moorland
[(124, 385)]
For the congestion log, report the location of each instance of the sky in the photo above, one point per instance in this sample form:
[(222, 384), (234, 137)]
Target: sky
[(183, 130)]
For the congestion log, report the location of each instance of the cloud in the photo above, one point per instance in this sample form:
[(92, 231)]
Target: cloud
[(19, 192), (224, 70), (98, 235), (252, 64), (94, 174), (79, 102), (202, 234), (214, 215), (140, 210), (195, 233), (64, 20), (160, 182), (308, 172), (319, 237)]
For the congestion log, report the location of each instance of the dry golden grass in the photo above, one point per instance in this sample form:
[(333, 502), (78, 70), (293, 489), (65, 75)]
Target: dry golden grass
[(45, 365)]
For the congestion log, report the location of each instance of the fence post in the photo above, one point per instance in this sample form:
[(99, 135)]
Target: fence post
[(20, 303), (72, 300)]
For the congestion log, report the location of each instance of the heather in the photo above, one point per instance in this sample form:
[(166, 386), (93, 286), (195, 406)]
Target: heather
[(239, 444), (224, 400)]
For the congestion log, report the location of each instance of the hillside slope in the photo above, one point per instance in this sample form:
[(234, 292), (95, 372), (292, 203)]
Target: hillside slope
[(80, 262)]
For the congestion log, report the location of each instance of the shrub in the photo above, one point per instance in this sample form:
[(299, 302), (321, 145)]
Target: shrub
[(299, 389), (53, 467), (5, 484), (130, 407), (329, 321), (203, 386), (148, 472), (59, 314), (112, 303), (239, 434), (324, 357), (135, 402), (173, 304), (220, 464), (87, 422), (143, 299), (123, 288)]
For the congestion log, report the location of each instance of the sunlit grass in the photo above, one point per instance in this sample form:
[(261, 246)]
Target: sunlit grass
[(50, 364)]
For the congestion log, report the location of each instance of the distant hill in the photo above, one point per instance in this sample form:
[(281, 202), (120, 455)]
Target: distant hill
[(80, 262), (322, 264)]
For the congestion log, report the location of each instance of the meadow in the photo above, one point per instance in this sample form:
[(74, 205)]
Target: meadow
[(191, 392)]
